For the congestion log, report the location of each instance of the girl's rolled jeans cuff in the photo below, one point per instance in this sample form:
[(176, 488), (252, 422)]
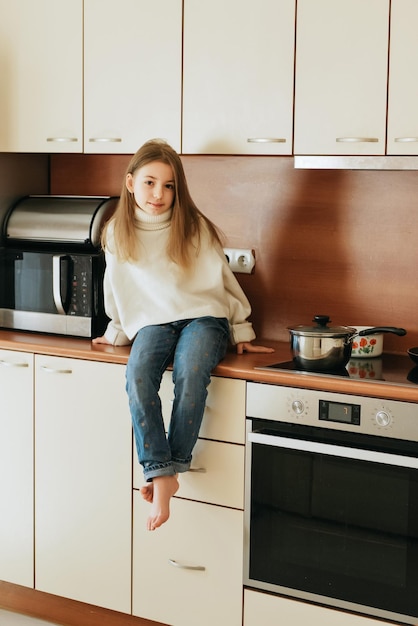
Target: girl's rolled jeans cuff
[(170, 468)]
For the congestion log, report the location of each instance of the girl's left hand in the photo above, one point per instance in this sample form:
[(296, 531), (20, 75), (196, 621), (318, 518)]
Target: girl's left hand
[(247, 346)]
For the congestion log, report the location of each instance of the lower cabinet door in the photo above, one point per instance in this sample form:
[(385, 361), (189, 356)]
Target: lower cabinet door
[(16, 467), (263, 609), (83, 482), (188, 571)]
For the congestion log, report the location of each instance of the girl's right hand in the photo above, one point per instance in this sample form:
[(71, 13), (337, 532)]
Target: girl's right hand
[(101, 339)]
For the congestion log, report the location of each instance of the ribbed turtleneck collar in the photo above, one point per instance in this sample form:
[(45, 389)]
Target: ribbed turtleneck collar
[(153, 222)]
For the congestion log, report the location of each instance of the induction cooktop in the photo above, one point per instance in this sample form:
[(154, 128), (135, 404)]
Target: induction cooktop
[(389, 368)]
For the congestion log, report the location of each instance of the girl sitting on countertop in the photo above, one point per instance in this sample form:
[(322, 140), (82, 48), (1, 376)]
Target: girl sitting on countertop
[(169, 291)]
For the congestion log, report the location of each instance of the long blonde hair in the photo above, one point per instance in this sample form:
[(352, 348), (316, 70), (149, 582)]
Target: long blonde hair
[(186, 222)]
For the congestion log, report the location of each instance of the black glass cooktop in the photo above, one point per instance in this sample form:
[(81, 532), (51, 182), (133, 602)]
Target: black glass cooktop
[(389, 368)]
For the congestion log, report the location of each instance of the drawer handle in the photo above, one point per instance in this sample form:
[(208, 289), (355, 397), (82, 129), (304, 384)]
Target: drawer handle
[(197, 568), (9, 364), (266, 140), (52, 370), (105, 139), (356, 140), (406, 139), (62, 139), (197, 470)]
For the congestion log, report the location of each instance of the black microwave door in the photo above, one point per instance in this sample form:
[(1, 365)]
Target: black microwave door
[(36, 282)]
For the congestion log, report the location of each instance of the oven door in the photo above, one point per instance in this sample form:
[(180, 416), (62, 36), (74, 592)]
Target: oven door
[(332, 517)]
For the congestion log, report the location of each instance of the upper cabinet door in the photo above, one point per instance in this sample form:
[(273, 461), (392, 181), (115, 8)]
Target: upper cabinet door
[(341, 77), (41, 76), (132, 74), (238, 76), (403, 85)]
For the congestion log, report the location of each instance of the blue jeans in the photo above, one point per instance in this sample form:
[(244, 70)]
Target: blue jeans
[(194, 347)]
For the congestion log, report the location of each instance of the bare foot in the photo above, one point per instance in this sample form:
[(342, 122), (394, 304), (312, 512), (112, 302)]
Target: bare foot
[(164, 488)]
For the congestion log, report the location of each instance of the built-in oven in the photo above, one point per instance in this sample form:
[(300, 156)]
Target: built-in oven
[(331, 503)]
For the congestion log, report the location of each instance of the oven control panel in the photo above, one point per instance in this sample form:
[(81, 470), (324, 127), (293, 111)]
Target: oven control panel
[(373, 416)]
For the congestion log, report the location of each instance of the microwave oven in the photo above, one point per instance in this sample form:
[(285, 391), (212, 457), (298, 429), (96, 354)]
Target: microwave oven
[(52, 266)]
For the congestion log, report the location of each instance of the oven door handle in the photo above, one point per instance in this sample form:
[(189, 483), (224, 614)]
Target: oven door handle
[(334, 450)]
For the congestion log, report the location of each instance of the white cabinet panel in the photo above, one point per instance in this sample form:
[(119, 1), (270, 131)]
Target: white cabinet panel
[(16, 467), (83, 481), (196, 536), (132, 73), (40, 76), (238, 76), (264, 609), (216, 475), (224, 417), (341, 77), (403, 85)]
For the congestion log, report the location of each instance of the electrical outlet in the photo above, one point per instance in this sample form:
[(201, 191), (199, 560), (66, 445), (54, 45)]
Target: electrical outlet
[(240, 260)]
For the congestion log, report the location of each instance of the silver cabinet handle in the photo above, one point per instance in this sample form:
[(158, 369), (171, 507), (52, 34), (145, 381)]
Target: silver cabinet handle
[(406, 139), (357, 140), (198, 470), (105, 139), (10, 364), (52, 370), (334, 450), (266, 140), (197, 568), (62, 139)]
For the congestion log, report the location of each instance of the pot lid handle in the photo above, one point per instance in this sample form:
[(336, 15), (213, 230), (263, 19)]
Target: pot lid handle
[(322, 320)]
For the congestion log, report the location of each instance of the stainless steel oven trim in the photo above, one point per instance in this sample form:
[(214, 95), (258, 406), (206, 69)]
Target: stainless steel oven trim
[(334, 450)]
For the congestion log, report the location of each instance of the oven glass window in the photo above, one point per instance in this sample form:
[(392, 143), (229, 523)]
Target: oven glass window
[(336, 527)]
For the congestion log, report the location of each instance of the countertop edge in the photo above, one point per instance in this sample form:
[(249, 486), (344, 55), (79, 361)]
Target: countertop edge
[(242, 367)]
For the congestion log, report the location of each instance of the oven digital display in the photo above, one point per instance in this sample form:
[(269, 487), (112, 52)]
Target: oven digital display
[(341, 412)]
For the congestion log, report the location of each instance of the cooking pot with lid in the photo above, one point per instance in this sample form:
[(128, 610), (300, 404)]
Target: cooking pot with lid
[(328, 348)]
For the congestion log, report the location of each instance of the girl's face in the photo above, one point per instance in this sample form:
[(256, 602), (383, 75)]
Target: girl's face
[(153, 187)]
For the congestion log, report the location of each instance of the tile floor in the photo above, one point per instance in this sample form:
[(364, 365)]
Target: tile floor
[(7, 618)]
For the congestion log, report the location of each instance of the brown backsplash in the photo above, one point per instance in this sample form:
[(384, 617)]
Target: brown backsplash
[(337, 242)]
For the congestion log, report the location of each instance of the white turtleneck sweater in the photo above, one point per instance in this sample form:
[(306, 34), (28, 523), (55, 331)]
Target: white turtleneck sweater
[(154, 290)]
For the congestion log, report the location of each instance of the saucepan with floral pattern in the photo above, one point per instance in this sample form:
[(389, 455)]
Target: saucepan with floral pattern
[(371, 345), (326, 348)]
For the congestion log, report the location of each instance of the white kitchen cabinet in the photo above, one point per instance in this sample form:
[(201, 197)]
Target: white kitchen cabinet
[(341, 77), (269, 610), (216, 475), (83, 482), (402, 132), (16, 467), (40, 76), (205, 528), (132, 73), (238, 76), (116, 68), (224, 417), (196, 555)]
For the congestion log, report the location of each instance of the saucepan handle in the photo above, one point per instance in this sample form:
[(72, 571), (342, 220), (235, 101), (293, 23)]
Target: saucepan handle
[(382, 329)]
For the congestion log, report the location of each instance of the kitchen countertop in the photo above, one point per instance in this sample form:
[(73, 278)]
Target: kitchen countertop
[(233, 366)]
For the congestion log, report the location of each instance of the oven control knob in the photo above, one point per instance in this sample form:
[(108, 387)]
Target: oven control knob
[(383, 418), (298, 407)]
